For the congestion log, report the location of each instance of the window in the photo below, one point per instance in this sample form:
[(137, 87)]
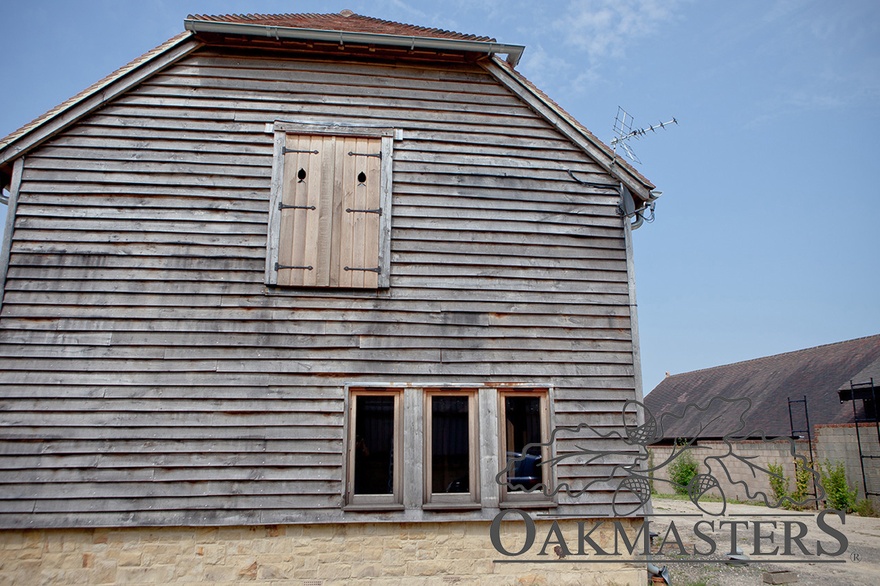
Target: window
[(445, 448), (523, 419), (374, 449), (330, 207), (451, 471)]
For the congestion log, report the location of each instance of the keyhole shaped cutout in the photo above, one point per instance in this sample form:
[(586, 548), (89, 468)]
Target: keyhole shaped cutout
[(301, 176), (362, 178)]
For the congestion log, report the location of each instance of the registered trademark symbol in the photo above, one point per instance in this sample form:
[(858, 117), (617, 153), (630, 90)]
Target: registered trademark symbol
[(854, 556)]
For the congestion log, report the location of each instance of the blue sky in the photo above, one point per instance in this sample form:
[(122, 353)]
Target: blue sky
[(765, 239)]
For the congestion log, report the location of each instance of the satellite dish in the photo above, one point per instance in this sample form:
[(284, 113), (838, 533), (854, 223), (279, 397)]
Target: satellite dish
[(627, 208), (627, 203)]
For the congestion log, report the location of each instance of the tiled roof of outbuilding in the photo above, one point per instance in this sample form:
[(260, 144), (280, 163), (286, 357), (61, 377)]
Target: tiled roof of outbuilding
[(768, 382)]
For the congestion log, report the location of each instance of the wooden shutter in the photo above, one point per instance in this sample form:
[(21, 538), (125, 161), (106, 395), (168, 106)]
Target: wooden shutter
[(330, 211)]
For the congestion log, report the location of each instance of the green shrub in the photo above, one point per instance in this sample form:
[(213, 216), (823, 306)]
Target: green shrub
[(865, 508), (802, 477), (802, 480), (778, 482), (838, 494), (682, 471)]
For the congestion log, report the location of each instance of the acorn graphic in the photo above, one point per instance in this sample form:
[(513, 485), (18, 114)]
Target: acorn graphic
[(699, 486), (646, 433), (637, 485)]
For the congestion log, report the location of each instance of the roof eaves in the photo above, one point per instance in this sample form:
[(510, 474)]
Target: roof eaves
[(513, 52), (637, 183), (33, 133)]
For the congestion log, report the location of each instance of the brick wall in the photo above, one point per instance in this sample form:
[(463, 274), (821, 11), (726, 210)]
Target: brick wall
[(302, 555)]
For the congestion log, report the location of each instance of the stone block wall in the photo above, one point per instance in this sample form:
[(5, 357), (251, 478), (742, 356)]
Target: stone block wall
[(838, 443), (832, 443), (379, 554), (758, 453)]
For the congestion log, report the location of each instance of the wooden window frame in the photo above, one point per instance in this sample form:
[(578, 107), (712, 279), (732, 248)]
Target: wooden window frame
[(536, 499), (453, 501), (374, 502), (413, 437), (281, 131)]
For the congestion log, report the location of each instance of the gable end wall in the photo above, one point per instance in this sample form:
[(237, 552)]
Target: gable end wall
[(149, 377)]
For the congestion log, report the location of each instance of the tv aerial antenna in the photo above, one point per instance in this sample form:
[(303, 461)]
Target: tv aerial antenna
[(623, 128)]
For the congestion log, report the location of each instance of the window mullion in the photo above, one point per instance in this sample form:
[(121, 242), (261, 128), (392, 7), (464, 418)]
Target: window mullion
[(490, 456)]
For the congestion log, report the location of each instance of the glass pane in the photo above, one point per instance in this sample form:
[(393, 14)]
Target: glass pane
[(374, 445), (450, 444), (522, 418)]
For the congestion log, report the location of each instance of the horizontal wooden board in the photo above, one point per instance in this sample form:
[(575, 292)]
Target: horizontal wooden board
[(194, 509), (196, 407), (324, 301), (109, 491), (217, 472), (170, 452), (154, 433)]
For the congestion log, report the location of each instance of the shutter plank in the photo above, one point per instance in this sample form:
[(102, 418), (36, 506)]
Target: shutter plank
[(286, 225), (290, 250), (372, 221), (314, 179), (338, 210), (324, 236), (345, 218), (302, 160), (360, 203)]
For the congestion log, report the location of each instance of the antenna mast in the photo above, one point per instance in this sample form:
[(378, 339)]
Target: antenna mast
[(623, 129)]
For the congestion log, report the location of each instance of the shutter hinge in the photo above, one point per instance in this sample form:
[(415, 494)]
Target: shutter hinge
[(282, 206), (285, 150), (375, 211), (278, 267), (376, 270), (377, 155)]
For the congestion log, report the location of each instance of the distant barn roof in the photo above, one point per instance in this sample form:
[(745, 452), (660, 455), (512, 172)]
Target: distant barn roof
[(343, 21), (768, 383)]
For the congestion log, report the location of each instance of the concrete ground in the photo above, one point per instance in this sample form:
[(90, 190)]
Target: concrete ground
[(858, 565)]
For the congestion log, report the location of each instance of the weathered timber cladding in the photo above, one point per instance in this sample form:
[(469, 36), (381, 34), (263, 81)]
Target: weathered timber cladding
[(151, 377)]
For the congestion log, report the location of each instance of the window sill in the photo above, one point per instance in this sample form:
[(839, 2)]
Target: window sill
[(527, 504), (451, 507), (373, 507)]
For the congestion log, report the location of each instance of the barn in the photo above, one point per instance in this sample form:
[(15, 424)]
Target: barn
[(283, 296)]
